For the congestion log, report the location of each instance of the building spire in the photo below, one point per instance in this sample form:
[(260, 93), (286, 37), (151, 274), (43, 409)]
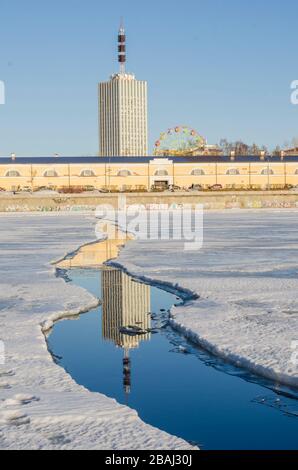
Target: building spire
[(121, 47)]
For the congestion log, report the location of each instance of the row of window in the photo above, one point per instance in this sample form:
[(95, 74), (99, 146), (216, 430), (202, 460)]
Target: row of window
[(235, 171), (54, 174), (125, 172)]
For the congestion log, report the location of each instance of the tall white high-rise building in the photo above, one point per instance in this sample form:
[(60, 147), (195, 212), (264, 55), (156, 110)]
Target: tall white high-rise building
[(123, 111)]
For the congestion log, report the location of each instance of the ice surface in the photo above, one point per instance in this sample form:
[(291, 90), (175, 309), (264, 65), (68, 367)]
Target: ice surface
[(41, 406), (247, 278), (247, 312)]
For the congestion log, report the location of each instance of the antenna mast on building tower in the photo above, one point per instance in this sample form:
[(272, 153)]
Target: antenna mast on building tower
[(121, 47)]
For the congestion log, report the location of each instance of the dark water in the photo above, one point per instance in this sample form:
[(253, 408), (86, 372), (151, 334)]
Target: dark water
[(173, 385)]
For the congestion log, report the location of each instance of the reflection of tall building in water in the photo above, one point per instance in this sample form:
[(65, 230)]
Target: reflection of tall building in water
[(94, 254), (125, 302)]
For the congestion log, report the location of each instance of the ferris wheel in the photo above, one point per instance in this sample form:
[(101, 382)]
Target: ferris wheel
[(179, 140)]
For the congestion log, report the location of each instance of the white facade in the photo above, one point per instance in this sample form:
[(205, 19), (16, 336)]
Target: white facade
[(123, 116)]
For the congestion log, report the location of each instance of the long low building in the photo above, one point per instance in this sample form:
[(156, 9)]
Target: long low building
[(141, 173)]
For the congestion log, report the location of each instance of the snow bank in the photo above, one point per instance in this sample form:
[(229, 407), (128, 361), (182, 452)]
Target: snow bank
[(41, 406), (246, 277)]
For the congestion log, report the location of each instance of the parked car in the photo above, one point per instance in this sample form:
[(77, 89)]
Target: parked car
[(71, 189), (158, 188), (140, 188), (196, 187), (26, 189), (2, 190), (89, 188), (45, 192), (42, 188), (125, 188), (215, 187), (174, 187)]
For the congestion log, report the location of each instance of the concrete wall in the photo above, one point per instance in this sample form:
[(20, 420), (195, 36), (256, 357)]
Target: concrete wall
[(228, 200)]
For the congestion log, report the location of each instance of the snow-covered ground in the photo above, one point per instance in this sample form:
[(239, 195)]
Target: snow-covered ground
[(41, 407), (247, 278)]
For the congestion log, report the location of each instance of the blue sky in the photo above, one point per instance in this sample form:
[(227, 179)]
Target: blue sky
[(223, 67)]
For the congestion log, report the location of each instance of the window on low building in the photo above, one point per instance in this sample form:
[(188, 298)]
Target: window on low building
[(197, 172), (161, 173), (233, 171), (124, 173), (13, 174), (50, 174), (87, 173), (267, 171)]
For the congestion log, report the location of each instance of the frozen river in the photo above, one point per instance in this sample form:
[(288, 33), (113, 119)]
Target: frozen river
[(246, 313), (172, 384)]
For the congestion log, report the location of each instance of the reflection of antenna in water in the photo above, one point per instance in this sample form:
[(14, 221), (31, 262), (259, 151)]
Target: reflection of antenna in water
[(126, 372)]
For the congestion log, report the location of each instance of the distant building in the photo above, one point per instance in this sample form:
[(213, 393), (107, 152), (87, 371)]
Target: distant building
[(289, 151), (139, 174), (123, 111)]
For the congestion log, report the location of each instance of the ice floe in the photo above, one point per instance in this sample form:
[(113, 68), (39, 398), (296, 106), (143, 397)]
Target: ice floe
[(41, 407)]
